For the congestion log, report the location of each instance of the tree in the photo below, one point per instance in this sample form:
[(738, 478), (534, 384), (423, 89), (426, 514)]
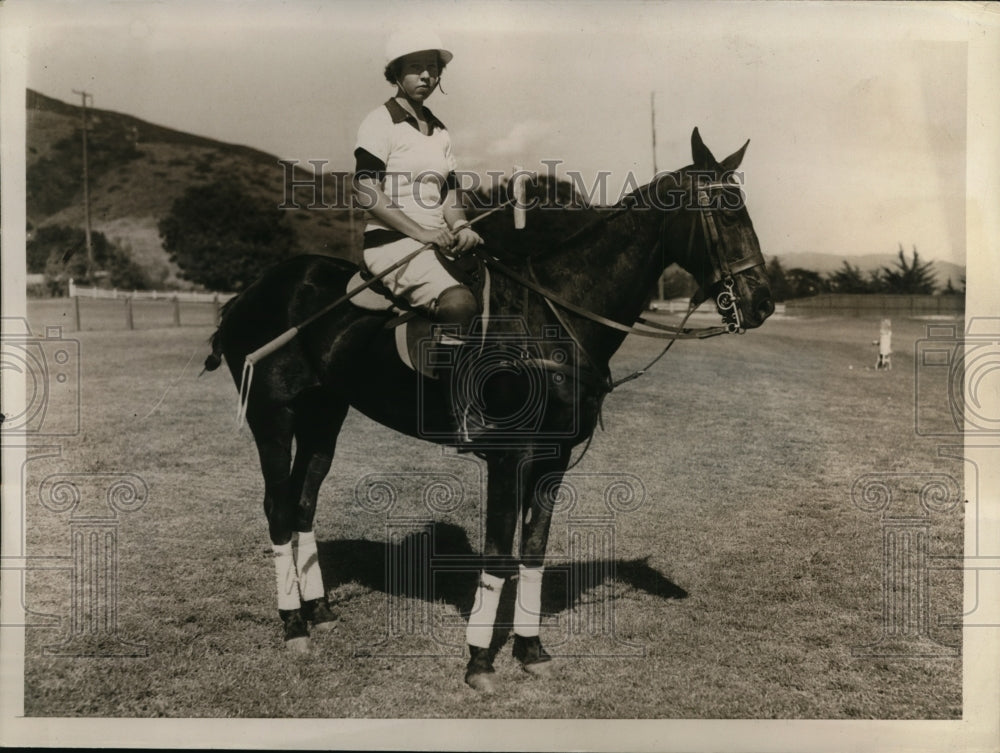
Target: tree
[(908, 278), (781, 290), (61, 252), (804, 282), (677, 283), (223, 238), (950, 289), (850, 279)]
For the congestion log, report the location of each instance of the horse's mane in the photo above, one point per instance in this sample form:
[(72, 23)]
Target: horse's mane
[(554, 227)]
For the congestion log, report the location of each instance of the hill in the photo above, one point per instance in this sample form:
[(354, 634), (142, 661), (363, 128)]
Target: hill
[(828, 263), (136, 171)]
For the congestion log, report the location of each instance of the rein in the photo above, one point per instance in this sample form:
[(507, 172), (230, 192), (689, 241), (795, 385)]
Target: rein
[(723, 271)]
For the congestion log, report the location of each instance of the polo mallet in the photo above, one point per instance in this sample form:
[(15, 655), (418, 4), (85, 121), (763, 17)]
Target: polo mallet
[(520, 191), (288, 335)]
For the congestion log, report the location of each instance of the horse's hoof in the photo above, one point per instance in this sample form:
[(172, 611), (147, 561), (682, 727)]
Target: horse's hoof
[(479, 671), (319, 615), (296, 632), (298, 645), (535, 660), (481, 682)]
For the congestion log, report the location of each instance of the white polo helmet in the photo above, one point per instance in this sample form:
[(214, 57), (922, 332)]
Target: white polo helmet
[(407, 41)]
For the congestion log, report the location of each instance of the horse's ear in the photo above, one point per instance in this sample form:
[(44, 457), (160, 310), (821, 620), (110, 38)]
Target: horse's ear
[(733, 161), (700, 154)]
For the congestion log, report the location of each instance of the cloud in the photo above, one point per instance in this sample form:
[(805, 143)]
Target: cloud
[(523, 136)]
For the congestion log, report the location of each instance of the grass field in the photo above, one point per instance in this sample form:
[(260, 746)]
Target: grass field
[(737, 589)]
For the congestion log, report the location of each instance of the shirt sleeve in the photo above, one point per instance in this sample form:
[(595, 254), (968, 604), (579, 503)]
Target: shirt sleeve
[(367, 165), (373, 135)]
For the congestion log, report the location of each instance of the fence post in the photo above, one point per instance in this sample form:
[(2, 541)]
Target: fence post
[(215, 306), (177, 312), (128, 313), (76, 309), (72, 288)]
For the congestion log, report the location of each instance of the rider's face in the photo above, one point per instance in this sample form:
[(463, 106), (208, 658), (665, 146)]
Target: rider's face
[(419, 74)]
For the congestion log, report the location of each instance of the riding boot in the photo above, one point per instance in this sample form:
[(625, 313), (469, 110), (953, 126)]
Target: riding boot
[(455, 370), (454, 361)]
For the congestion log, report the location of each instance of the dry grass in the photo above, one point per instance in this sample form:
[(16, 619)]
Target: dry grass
[(736, 591)]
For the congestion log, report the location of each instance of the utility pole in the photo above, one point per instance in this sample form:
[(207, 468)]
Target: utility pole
[(652, 112), (86, 184)]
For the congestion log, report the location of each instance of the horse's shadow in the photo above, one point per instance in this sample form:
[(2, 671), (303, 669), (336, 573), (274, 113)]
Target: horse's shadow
[(436, 563)]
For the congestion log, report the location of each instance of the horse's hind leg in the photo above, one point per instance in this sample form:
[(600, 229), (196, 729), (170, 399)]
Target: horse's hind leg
[(273, 428), (318, 418)]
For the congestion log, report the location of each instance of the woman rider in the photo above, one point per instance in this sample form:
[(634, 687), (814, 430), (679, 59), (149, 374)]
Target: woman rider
[(405, 174)]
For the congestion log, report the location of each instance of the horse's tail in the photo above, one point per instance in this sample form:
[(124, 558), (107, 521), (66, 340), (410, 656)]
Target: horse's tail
[(214, 359)]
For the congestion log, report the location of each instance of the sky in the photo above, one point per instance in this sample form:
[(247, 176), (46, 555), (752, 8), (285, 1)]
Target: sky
[(856, 114)]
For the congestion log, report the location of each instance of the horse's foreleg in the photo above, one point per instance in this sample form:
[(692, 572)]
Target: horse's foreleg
[(541, 483), (316, 427), (501, 523)]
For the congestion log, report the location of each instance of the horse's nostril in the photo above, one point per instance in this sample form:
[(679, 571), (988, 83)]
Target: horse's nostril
[(765, 308)]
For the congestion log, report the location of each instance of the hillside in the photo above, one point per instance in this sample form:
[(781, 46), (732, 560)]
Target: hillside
[(137, 170), (828, 263)]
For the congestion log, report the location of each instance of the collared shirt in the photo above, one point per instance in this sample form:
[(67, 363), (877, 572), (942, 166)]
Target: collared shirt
[(412, 167)]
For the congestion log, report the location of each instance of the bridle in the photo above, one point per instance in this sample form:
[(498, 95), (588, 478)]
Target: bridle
[(723, 271)]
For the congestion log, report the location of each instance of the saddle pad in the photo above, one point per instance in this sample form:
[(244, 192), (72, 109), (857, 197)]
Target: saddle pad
[(411, 332)]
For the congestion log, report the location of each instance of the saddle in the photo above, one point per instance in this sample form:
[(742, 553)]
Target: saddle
[(412, 325)]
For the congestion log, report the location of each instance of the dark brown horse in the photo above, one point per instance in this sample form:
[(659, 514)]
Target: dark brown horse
[(557, 317)]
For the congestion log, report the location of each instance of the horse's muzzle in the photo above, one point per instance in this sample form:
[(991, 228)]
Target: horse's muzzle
[(762, 306)]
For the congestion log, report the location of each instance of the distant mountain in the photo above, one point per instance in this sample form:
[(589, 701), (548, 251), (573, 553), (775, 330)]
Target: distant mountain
[(137, 169), (827, 263)]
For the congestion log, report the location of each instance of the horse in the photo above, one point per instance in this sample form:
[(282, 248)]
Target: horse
[(557, 315)]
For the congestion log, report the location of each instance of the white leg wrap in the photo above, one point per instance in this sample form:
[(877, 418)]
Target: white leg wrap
[(528, 608), (284, 568), (307, 566), (484, 611)]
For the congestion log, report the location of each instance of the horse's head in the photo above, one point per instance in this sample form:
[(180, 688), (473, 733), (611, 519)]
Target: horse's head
[(714, 236)]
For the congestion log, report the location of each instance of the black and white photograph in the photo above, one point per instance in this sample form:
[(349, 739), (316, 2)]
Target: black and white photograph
[(500, 375)]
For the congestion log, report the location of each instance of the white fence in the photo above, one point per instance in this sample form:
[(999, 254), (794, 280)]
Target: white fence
[(75, 291), (680, 306)]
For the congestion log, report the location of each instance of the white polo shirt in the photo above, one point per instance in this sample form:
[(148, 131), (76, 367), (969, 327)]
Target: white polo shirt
[(416, 165)]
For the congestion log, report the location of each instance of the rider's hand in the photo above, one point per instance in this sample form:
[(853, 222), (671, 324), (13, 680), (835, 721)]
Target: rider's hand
[(466, 238), (440, 237)]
